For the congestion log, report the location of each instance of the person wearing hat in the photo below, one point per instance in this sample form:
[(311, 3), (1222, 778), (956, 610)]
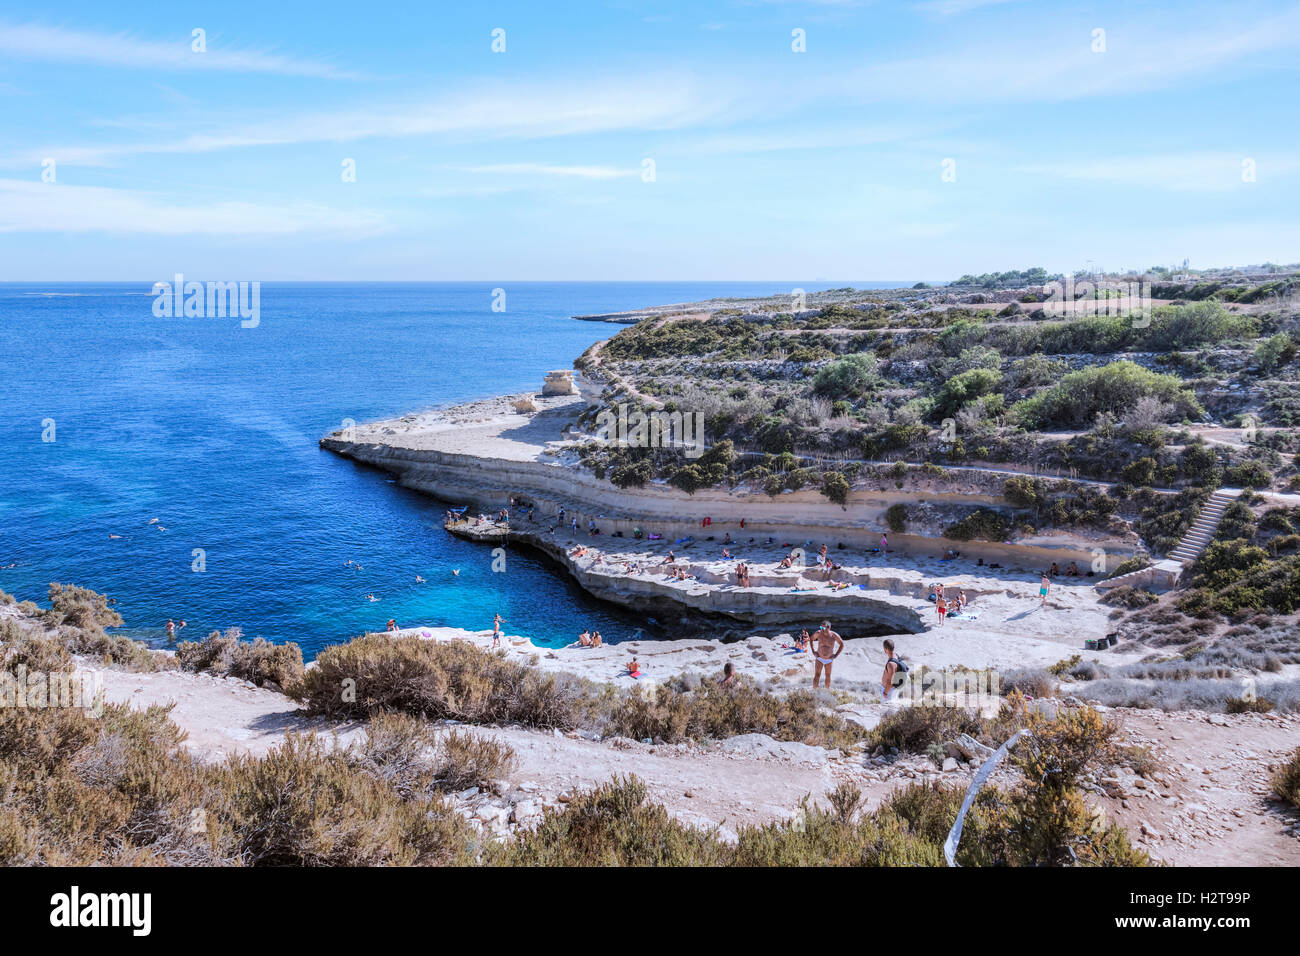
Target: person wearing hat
[(827, 646)]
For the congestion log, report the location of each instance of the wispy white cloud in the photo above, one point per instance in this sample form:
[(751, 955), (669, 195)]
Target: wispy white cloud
[(949, 8), (539, 169), (36, 42), (487, 113), (1054, 68), (1180, 172), (29, 206)]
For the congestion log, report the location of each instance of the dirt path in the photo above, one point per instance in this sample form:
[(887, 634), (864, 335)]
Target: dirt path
[(1212, 807)]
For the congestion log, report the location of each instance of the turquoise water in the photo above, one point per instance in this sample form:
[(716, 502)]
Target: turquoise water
[(212, 429)]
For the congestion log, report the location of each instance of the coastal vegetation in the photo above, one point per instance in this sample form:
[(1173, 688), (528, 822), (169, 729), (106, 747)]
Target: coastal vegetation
[(986, 373), (122, 788)]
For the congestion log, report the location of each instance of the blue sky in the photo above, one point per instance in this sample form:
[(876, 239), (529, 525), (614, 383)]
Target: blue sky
[(529, 164)]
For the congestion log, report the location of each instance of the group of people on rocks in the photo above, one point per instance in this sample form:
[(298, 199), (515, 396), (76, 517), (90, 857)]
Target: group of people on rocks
[(946, 602)]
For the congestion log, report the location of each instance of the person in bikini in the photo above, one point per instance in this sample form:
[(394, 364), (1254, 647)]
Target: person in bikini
[(827, 646)]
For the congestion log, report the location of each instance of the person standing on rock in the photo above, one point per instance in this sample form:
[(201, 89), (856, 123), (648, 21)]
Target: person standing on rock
[(827, 645), (1044, 586), (497, 621)]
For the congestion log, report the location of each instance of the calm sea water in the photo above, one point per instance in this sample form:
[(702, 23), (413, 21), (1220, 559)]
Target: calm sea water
[(212, 429)]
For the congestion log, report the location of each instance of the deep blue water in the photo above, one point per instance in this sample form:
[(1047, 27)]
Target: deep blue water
[(212, 429)]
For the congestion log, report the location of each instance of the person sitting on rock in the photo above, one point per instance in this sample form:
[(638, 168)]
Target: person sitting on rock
[(584, 639)]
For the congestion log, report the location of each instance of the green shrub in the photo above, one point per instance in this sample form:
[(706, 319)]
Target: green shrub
[(1275, 351), (1022, 491), (981, 523), (1080, 396), (963, 388), (896, 518), (835, 487), (851, 377)]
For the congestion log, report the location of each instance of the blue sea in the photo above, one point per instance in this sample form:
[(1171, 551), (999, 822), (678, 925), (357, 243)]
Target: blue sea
[(212, 429)]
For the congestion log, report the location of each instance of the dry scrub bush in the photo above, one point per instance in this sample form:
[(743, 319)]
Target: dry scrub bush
[(1286, 781), (75, 791), (914, 729), (613, 825), (304, 805), (711, 711), (412, 756), (228, 656), (437, 680), (1043, 821), (20, 647)]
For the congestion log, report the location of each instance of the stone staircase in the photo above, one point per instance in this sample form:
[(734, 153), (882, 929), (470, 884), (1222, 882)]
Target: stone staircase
[(1164, 574), (1202, 529)]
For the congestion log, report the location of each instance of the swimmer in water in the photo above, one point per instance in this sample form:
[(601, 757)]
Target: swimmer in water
[(419, 580)]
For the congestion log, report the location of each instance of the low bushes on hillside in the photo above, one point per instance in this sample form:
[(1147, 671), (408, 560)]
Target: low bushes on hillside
[(437, 680), (304, 804), (229, 656), (712, 711), (1115, 388)]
